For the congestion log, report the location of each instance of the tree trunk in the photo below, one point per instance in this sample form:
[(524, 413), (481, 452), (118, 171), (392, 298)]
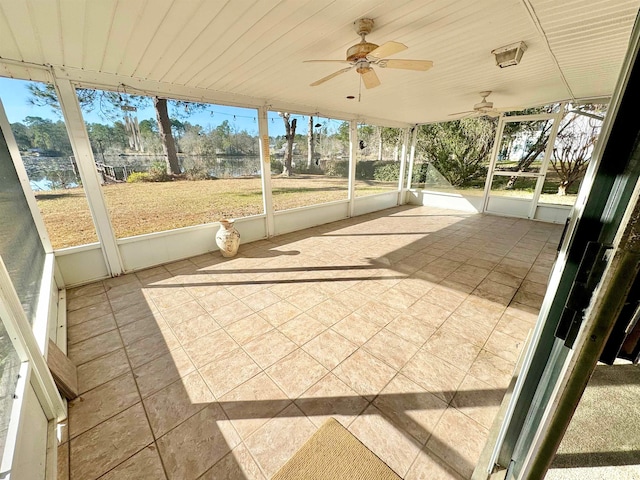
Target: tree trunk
[(310, 152), (379, 140), (562, 189), (290, 129), (166, 137)]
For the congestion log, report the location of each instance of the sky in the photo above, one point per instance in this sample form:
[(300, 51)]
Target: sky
[(14, 96)]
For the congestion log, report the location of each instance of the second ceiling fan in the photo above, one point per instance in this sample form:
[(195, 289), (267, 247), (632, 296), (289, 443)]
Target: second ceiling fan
[(364, 55)]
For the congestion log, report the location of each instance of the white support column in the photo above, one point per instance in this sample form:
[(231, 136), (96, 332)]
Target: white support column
[(412, 154), (353, 141), (492, 163), (403, 165), (81, 146), (265, 168)]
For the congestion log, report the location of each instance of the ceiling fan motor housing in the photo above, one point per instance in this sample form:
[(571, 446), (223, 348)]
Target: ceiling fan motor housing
[(360, 50)]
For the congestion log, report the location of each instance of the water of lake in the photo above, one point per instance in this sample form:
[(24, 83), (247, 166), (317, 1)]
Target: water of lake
[(52, 173)]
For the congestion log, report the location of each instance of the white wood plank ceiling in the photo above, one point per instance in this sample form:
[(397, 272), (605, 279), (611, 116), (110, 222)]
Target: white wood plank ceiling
[(252, 51)]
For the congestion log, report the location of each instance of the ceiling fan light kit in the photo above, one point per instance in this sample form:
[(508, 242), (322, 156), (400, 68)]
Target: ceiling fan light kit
[(509, 55)]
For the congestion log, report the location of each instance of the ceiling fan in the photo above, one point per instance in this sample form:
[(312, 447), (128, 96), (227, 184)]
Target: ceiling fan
[(364, 55), (481, 109)]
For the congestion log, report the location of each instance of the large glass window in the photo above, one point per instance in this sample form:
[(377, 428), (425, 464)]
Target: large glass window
[(36, 121), (453, 157), (309, 160), (571, 154), (378, 159), (167, 164)]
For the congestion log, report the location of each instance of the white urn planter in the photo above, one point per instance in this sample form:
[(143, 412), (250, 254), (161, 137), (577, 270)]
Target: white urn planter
[(228, 238)]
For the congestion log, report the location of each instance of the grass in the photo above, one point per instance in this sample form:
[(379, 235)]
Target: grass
[(139, 208)]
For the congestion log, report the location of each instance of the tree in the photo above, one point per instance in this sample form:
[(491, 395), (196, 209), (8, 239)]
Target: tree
[(290, 135), (310, 140), (573, 149), (459, 150), (108, 104)]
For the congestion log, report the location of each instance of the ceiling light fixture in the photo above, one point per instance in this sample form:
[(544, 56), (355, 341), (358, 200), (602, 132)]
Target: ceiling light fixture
[(509, 55)]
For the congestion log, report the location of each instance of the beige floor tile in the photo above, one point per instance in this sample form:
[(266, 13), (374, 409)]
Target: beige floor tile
[(428, 312), (89, 312), (386, 440), (62, 467), (496, 292), (410, 407), (253, 403), (452, 349), (231, 312), (480, 310), (91, 289), (279, 312), (329, 312), (356, 328), (380, 314), (135, 312), (94, 347), (228, 371), (306, 299), (214, 301), (150, 348), (296, 372), (429, 467), (178, 296), (504, 346), (279, 439), (127, 298), (397, 299), (145, 327), (330, 397), (261, 299), (329, 348), (269, 348), (128, 432), (197, 444), (390, 348), (478, 400), (302, 329), (248, 329), (210, 347), (101, 403), (527, 298), (102, 369), (436, 376), (235, 465), (458, 440), (194, 328), (465, 329), (177, 315), (81, 301), (172, 405), (144, 465), (90, 328), (364, 373), (162, 371), (411, 329), (514, 327), (491, 369)]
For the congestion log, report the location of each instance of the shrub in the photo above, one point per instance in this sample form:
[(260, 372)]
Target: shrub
[(336, 168), (195, 169), (137, 177), (158, 172), (388, 172)]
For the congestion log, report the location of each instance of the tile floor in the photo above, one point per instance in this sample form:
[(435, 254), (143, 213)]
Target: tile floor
[(404, 325)]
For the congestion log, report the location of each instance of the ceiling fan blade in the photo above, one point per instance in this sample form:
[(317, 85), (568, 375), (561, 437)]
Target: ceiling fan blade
[(386, 49), (462, 113), (370, 79), (329, 77), (326, 61), (419, 65)]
